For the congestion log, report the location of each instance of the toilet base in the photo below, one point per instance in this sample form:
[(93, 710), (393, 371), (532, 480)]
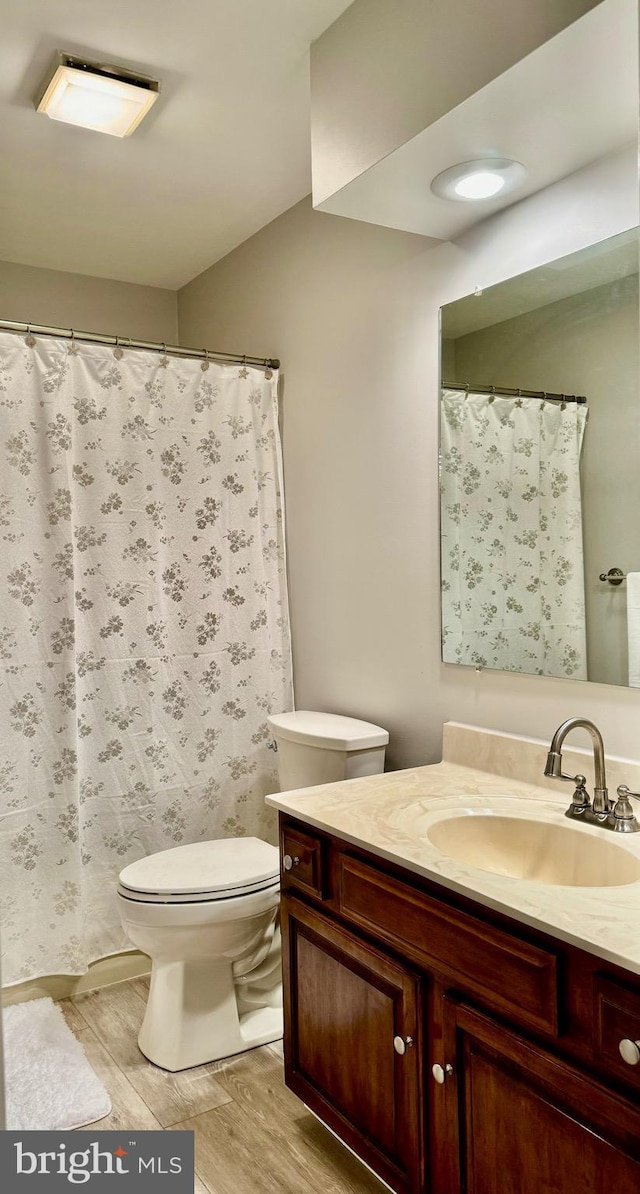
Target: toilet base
[(192, 1015), (265, 1027)]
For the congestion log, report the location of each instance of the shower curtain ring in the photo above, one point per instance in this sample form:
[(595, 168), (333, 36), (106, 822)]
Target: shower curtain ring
[(117, 352), (205, 364), (30, 339)]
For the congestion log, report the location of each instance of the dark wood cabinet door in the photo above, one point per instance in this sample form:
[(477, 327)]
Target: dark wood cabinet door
[(530, 1123), (345, 1004)]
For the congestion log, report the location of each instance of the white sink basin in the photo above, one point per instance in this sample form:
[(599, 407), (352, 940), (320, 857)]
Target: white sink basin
[(522, 847)]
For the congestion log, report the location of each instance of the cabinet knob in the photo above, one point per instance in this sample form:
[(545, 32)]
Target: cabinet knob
[(629, 1051), (288, 862), (441, 1072), (402, 1043)]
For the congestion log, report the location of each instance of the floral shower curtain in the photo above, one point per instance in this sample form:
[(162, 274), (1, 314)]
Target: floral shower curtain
[(143, 627), (512, 566)]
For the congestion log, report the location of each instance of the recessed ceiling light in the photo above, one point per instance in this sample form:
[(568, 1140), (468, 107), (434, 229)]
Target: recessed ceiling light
[(483, 178), (108, 99)]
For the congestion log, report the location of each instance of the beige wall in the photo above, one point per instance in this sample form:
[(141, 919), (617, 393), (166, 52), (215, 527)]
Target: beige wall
[(59, 299), (352, 310), (333, 299), (586, 344)]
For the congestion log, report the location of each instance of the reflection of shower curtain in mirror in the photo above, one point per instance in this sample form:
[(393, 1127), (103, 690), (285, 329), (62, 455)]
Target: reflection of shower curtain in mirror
[(512, 567)]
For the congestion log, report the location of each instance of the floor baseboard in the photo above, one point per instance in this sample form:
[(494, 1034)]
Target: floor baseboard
[(115, 969)]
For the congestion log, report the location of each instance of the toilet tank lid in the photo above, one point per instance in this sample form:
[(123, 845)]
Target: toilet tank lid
[(328, 731)]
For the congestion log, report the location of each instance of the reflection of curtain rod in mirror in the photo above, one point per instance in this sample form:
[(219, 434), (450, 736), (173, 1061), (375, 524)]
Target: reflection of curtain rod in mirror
[(501, 392)]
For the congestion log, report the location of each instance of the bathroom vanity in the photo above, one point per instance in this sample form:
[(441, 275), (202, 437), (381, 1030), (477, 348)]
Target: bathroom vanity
[(461, 1030)]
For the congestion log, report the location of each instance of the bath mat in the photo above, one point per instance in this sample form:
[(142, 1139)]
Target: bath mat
[(49, 1084)]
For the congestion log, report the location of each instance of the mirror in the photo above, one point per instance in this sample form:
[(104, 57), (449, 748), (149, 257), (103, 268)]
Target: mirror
[(540, 470)]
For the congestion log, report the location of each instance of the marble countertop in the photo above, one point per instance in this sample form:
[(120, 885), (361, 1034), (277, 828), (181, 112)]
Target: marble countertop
[(389, 815)]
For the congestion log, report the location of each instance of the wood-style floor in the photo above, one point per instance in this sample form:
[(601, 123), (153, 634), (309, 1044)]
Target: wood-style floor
[(252, 1136)]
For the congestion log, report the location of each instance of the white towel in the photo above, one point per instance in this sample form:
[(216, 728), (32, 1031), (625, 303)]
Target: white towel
[(633, 627)]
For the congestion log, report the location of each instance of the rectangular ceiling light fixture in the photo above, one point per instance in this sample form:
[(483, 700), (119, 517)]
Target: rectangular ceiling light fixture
[(108, 99)]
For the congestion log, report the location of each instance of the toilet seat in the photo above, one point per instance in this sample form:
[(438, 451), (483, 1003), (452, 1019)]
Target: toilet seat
[(202, 873)]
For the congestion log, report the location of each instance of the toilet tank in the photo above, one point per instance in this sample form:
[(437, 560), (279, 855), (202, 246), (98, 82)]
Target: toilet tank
[(322, 748)]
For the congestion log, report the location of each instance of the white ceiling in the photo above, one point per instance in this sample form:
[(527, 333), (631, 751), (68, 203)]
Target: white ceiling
[(225, 149), (569, 103)]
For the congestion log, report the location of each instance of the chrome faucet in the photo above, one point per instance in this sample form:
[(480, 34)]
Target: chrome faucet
[(620, 816), (553, 769)]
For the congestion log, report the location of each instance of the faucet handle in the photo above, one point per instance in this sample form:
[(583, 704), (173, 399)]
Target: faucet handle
[(580, 801), (580, 782), (553, 770), (623, 792), (624, 820)]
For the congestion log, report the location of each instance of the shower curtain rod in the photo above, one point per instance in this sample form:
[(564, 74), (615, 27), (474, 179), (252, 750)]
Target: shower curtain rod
[(501, 392), (205, 354)]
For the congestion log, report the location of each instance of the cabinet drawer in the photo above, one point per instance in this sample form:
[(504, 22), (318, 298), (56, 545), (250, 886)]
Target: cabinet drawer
[(467, 952), (617, 1018), (301, 861)]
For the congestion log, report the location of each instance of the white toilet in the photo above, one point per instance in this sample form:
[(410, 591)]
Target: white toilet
[(207, 914), (322, 748)]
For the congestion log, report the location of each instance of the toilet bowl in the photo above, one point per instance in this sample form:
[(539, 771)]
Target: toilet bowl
[(206, 915)]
